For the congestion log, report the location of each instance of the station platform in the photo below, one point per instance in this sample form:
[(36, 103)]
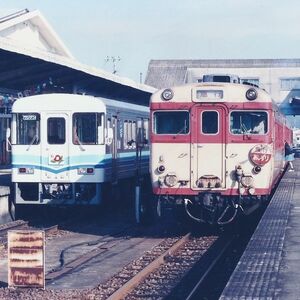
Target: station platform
[(270, 266)]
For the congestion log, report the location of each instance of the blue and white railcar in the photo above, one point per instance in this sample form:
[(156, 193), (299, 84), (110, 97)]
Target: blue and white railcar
[(66, 148)]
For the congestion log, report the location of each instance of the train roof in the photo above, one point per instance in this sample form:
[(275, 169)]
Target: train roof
[(123, 105), (69, 102), (231, 92)]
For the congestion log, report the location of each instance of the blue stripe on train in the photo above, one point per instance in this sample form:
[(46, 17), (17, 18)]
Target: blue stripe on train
[(103, 164), (80, 159)]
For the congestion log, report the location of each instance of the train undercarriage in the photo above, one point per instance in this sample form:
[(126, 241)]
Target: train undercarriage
[(57, 193), (212, 208)]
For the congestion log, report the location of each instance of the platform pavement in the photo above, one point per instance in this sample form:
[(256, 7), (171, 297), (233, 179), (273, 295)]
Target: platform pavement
[(270, 266)]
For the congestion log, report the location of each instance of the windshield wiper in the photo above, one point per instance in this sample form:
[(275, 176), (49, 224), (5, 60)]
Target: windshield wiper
[(243, 128), (32, 141), (183, 129)]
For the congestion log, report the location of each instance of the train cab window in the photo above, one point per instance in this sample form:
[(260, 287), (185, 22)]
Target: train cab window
[(171, 122), (210, 122), (28, 129), (249, 122), (56, 131), (88, 128)]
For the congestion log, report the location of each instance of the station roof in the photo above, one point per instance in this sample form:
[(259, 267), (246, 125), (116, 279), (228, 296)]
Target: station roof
[(24, 65), (291, 105)]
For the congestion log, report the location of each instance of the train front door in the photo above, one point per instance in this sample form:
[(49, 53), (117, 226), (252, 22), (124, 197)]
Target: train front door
[(208, 147), (55, 149)]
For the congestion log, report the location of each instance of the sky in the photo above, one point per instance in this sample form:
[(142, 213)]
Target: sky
[(140, 30)]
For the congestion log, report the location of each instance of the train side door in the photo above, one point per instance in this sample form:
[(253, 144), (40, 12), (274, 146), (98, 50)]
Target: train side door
[(208, 147), (55, 149)]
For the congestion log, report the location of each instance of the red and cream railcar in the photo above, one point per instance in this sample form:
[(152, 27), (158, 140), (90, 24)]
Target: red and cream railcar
[(217, 149)]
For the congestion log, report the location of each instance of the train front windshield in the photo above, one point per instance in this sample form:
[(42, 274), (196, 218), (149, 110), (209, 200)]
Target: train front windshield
[(249, 122), (88, 128), (28, 129), (171, 122)]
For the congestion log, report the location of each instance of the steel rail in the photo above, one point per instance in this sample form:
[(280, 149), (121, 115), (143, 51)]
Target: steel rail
[(134, 281), (207, 272), (11, 225)]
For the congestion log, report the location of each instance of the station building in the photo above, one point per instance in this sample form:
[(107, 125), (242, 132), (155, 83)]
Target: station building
[(279, 77), (34, 60)]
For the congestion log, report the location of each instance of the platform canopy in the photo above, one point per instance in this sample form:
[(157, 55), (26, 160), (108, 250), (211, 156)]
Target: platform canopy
[(33, 59), (291, 105)]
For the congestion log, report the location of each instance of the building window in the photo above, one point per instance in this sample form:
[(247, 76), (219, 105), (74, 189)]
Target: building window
[(254, 81), (287, 84)]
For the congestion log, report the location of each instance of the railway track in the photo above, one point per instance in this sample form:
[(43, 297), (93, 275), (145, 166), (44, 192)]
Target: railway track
[(155, 274), (205, 272), (155, 264), (4, 228)]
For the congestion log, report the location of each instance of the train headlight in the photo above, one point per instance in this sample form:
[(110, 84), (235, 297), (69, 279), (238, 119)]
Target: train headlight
[(256, 169), (161, 169), (251, 94), (167, 94), (247, 181), (171, 179)]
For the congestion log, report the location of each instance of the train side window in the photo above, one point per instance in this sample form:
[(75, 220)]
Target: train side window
[(125, 134), (133, 134), (56, 131), (146, 130), (119, 133), (108, 123), (28, 129), (129, 134), (210, 122), (139, 131)]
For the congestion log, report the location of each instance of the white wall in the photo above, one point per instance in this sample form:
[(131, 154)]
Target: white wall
[(269, 78)]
